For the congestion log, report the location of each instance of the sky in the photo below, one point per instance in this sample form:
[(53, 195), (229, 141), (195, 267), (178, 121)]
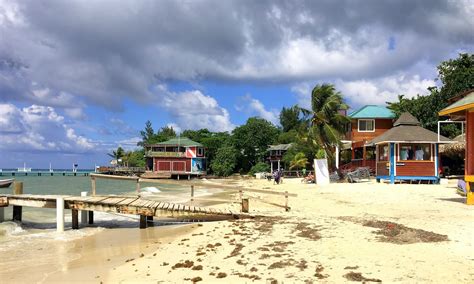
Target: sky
[(80, 78)]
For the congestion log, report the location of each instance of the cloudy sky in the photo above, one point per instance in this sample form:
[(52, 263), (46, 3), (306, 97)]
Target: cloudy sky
[(78, 78)]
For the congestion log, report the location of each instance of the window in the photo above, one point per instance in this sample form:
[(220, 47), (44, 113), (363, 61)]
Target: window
[(383, 152), (200, 152), (414, 152), (366, 125)]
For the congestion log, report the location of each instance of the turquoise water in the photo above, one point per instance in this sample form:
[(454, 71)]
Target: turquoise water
[(74, 185)]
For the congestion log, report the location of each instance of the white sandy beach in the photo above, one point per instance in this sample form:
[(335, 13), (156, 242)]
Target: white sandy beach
[(321, 239)]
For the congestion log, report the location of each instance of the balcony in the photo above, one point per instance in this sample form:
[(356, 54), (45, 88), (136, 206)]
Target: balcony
[(153, 154)]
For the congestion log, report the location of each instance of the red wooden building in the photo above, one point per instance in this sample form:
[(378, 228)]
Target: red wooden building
[(408, 152), (463, 108), (176, 157), (367, 123)]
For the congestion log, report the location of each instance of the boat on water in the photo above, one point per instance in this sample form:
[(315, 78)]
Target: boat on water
[(6, 182), (24, 169)]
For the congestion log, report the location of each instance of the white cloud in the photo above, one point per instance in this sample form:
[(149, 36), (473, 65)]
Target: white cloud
[(376, 91), (194, 110), (382, 90), (255, 107), (38, 129)]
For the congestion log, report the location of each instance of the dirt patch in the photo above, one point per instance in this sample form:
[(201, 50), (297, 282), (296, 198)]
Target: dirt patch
[(195, 279), (238, 248), (399, 234), (264, 225), (279, 246), (319, 269), (248, 276), (185, 264), (356, 276), (302, 265), (221, 275), (197, 267), (282, 264), (352, 267), (305, 230)]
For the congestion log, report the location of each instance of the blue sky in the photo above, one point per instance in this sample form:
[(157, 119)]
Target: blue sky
[(79, 78)]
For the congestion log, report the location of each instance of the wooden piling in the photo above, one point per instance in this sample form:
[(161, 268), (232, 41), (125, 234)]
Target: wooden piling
[(245, 205), (93, 186), (17, 210), (241, 194), (91, 217), (149, 219), (60, 214), (142, 222), (192, 192), (84, 212), (138, 185), (75, 219)]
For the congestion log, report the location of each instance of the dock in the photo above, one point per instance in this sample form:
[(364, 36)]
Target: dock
[(45, 173), (132, 205)]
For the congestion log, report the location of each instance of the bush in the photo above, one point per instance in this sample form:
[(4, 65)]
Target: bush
[(225, 161), (259, 168)]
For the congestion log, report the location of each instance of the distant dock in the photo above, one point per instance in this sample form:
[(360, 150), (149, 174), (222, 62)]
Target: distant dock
[(45, 173)]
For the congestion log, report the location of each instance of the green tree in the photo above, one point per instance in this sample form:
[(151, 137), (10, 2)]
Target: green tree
[(134, 158), (165, 133), (251, 141), (147, 134), (260, 167), (290, 118), (225, 161), (327, 125), (299, 161), (457, 76), (117, 154)]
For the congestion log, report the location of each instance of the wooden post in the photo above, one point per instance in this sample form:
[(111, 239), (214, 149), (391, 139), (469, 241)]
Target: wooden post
[(75, 219), (2, 214), (138, 186), (142, 222), (91, 217), (286, 202), (60, 214), (245, 205), (93, 185), (17, 210), (84, 212), (192, 192), (149, 219), (240, 194)]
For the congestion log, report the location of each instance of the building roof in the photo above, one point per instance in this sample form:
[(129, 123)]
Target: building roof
[(407, 129), (282, 147), (182, 141), (407, 118), (372, 111), (467, 102)]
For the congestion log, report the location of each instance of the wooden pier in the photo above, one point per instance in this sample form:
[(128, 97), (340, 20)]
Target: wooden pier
[(45, 173), (133, 205)]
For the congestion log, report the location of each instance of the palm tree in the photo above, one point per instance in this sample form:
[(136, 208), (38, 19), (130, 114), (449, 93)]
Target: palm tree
[(299, 161), (327, 124), (117, 155)]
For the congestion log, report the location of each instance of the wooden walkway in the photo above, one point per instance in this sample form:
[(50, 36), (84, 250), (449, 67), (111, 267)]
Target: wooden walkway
[(145, 208)]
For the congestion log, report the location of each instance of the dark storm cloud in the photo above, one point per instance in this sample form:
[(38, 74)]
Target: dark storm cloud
[(106, 50)]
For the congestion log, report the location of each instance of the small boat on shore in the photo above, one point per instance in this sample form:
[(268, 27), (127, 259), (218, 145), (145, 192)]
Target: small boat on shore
[(6, 182)]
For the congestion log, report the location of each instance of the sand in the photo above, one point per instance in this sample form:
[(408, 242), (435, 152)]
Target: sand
[(342, 232), (322, 238)]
